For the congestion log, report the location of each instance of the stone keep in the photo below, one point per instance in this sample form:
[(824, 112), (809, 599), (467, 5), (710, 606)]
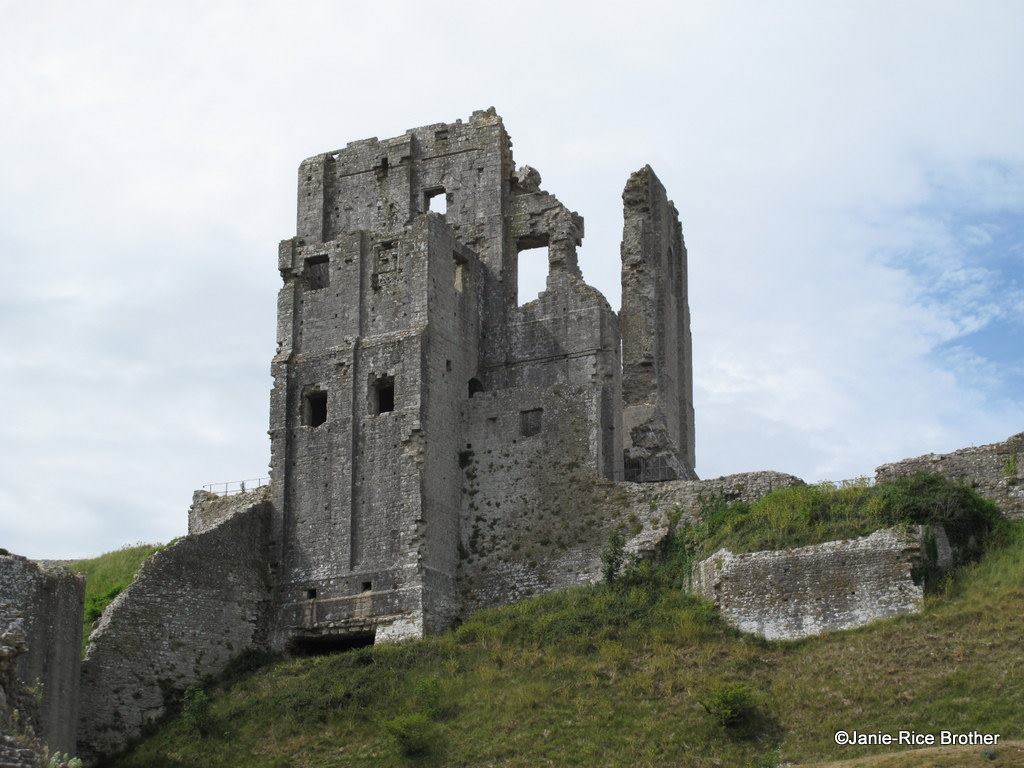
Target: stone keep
[(402, 345)]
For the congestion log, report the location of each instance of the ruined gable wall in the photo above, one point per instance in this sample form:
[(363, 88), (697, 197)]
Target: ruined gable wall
[(996, 471), (47, 602), (789, 594), (656, 354), (193, 607)]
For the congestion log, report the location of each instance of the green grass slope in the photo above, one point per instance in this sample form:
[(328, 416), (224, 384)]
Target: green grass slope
[(620, 675), (106, 576)]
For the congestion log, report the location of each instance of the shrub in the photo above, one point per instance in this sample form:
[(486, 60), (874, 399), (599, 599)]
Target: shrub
[(427, 693), (612, 557), (1010, 466), (414, 734), (195, 710), (61, 760), (730, 704)]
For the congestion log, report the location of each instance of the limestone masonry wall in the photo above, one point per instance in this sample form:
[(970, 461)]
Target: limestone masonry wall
[(996, 471), (794, 593), (47, 602), (192, 608), (536, 520), (19, 746)]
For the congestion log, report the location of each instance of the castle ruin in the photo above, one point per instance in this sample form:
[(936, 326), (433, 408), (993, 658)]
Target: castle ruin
[(403, 352)]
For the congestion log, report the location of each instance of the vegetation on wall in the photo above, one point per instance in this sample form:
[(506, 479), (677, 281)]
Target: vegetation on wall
[(106, 576), (799, 515)]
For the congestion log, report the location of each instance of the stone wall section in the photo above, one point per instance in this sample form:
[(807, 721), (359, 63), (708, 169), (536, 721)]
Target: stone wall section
[(19, 745), (536, 517), (47, 602), (996, 471), (209, 510), (795, 593), (657, 365), (192, 608)]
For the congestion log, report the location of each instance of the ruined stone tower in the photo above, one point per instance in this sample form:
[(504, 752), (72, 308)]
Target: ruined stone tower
[(404, 355)]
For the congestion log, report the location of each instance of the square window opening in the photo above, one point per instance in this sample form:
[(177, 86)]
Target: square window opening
[(314, 409), (317, 273), (436, 200), (311, 594), (530, 422), (384, 395), (367, 586)]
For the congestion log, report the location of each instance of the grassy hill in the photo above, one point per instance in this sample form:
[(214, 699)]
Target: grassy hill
[(625, 675), (106, 576)]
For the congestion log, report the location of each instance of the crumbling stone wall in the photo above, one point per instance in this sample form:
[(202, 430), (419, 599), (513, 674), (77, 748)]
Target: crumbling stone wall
[(209, 510), (192, 608), (535, 517), (48, 603), (996, 471), (657, 358), (795, 593), (19, 745)]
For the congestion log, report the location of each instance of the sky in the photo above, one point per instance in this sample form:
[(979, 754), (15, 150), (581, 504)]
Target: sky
[(850, 179)]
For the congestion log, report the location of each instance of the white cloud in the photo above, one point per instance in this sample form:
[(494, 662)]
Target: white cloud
[(813, 149)]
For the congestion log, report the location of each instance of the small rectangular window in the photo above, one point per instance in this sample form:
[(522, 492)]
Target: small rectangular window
[(530, 422), (311, 594), (317, 273), (314, 409), (367, 586), (383, 395)]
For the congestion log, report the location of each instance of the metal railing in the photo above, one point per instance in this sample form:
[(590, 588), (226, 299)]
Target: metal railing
[(231, 487), (864, 481), (648, 470)]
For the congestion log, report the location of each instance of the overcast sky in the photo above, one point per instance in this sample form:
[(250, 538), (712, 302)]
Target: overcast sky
[(850, 178)]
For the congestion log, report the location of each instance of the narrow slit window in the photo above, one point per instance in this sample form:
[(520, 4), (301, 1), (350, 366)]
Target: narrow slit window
[(384, 395), (314, 409), (460, 276)]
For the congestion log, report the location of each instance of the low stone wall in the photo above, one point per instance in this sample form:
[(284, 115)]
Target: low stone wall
[(47, 602), (996, 471), (795, 593), (192, 608)]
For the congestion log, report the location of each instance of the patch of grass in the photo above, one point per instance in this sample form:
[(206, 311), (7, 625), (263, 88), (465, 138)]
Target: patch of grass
[(1010, 466), (613, 675), (106, 577)]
